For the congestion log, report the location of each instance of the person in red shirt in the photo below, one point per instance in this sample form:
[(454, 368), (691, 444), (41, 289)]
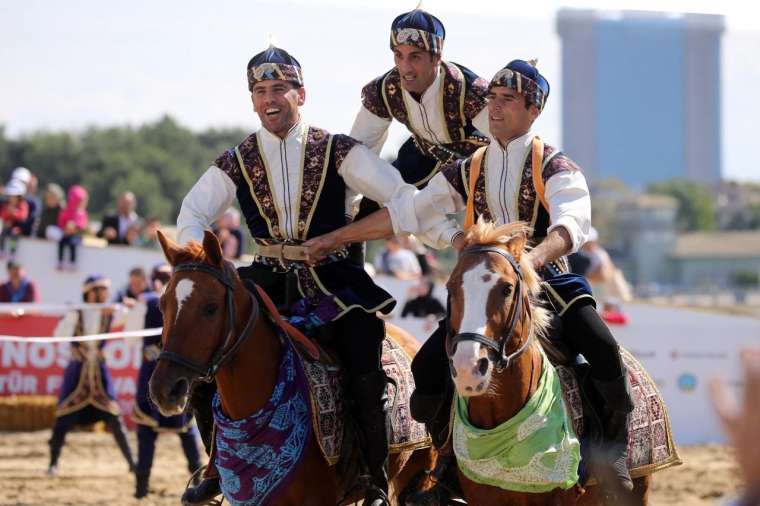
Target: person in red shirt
[(13, 214), (18, 288)]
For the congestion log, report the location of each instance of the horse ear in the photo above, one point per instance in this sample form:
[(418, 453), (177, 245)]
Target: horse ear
[(170, 248), (212, 248)]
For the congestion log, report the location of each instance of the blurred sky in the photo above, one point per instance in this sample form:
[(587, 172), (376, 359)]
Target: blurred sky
[(67, 65)]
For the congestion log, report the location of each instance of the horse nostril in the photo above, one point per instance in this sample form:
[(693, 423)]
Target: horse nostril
[(483, 366), (179, 389)]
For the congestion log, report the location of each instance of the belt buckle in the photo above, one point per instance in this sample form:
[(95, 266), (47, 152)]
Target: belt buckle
[(281, 256)]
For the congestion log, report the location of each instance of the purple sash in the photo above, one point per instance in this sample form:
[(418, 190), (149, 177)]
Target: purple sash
[(256, 456)]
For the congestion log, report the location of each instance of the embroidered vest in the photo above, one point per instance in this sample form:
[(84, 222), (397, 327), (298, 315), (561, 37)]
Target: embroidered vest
[(321, 201), (529, 206), (462, 97), (77, 351)]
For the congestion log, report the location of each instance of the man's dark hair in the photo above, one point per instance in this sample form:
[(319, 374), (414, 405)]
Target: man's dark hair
[(137, 271)]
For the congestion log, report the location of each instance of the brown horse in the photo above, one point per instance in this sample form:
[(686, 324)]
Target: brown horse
[(204, 294), (496, 359)]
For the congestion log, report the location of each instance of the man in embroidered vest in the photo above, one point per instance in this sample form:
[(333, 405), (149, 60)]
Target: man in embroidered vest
[(556, 204), (294, 181), (87, 394), (150, 422), (442, 104)]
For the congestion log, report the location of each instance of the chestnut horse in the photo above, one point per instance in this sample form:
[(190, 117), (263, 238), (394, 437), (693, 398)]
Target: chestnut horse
[(203, 296), (496, 361)]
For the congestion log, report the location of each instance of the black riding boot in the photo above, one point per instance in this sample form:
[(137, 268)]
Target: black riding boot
[(370, 399), (141, 485), (435, 412), (117, 429), (208, 488), (55, 443), (616, 395)]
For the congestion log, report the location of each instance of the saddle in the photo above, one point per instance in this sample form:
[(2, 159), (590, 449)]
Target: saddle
[(650, 437), (331, 420)]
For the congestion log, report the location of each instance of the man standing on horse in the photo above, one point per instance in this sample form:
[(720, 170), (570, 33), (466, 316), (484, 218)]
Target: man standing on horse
[(442, 104), (294, 181), (504, 188)]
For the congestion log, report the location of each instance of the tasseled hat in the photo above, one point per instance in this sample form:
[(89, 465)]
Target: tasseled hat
[(95, 281), (523, 77), (420, 29), (274, 64)]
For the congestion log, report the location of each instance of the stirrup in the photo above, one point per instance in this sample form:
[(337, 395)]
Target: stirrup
[(195, 479), (366, 482)]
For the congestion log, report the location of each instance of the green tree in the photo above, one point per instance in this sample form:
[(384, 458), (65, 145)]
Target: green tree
[(696, 210), (158, 161)]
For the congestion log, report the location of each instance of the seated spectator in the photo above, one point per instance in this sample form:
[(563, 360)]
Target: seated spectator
[(132, 236), (137, 284), (18, 288), (13, 214), (397, 261), (115, 226), (227, 229), (427, 260), (149, 237), (29, 180), (230, 243), (73, 221), (423, 304), (47, 228)]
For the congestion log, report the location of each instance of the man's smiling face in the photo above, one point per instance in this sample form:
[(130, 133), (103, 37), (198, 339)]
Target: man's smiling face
[(276, 103)]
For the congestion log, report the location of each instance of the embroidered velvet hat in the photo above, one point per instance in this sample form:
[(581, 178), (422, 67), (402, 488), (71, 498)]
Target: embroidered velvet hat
[(420, 29), (523, 77), (274, 64)]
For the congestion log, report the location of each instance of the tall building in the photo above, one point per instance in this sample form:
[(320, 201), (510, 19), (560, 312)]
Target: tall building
[(641, 94)]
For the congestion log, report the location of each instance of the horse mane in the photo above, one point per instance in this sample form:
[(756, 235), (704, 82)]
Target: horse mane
[(192, 252), (486, 233)]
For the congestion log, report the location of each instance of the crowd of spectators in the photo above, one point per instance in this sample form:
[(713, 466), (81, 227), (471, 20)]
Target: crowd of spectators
[(62, 216)]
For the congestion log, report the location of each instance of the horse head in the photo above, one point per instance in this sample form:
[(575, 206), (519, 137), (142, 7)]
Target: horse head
[(205, 306), (491, 319)]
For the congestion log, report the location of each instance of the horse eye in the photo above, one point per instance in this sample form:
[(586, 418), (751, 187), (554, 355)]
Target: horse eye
[(507, 290), (210, 308)]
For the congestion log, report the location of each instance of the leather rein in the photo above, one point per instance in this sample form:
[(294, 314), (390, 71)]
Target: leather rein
[(231, 344), (519, 306)]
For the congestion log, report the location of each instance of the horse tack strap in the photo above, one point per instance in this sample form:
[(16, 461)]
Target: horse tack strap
[(537, 162), (475, 164), (289, 329)]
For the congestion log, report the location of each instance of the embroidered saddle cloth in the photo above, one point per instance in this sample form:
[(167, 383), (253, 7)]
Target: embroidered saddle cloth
[(327, 407), (256, 455), (534, 451), (650, 437), (325, 383), (650, 440)]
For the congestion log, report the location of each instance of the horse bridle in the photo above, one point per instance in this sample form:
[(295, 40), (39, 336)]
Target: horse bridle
[(519, 304), (228, 348)]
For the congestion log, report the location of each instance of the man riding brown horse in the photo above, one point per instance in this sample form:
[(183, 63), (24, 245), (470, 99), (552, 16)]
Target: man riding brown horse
[(294, 181), (516, 177)]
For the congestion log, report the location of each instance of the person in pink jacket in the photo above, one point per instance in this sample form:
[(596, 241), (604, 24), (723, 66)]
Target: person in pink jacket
[(73, 221)]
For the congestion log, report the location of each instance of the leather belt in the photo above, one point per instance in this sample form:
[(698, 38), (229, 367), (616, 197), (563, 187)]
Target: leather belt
[(282, 251)]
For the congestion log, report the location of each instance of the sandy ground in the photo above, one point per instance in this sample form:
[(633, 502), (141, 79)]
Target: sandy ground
[(92, 472)]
